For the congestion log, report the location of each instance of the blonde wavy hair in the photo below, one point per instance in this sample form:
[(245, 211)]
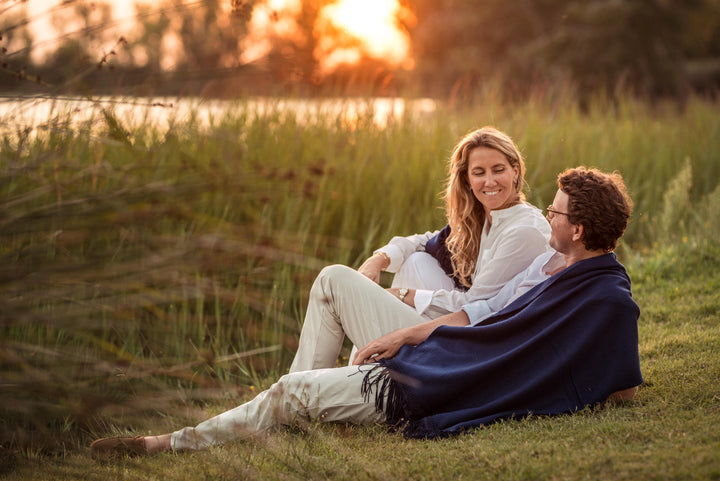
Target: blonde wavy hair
[(466, 215)]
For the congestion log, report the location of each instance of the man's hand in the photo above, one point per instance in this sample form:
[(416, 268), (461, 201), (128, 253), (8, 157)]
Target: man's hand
[(372, 267), (383, 347), (387, 346)]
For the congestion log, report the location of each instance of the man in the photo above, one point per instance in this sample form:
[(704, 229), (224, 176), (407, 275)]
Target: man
[(567, 338)]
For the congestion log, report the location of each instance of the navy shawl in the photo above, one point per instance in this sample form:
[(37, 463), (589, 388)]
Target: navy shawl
[(437, 247), (569, 342)]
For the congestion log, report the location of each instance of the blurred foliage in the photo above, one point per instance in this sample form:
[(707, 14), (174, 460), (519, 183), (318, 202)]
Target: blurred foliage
[(597, 45), (652, 48), (117, 275), (147, 269)]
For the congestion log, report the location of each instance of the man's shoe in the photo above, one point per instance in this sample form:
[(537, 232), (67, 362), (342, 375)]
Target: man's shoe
[(106, 448)]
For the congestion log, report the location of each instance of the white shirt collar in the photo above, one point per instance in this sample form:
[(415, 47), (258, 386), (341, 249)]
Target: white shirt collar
[(509, 212)]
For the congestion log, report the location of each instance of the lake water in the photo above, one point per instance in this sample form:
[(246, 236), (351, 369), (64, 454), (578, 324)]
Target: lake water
[(42, 112)]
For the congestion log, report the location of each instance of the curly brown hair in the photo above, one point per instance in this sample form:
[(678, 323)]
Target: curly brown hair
[(600, 203)]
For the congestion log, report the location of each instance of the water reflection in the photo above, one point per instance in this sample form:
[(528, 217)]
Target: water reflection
[(18, 114)]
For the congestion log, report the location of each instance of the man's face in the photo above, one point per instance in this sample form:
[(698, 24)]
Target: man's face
[(562, 230)]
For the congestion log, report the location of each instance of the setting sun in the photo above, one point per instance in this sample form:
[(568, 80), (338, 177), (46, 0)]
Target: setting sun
[(345, 31), (350, 29)]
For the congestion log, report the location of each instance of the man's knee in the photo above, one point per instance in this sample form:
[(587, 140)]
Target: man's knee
[(296, 392)]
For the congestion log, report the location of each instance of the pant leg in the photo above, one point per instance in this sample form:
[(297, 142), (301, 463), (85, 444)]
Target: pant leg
[(419, 271), (344, 302), (330, 395), (422, 271)]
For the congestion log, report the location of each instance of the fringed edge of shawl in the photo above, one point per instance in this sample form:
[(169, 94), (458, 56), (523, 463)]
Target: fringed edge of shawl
[(385, 392), (388, 396)]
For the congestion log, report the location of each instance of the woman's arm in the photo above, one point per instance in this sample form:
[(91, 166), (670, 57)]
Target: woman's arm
[(390, 257), (374, 265)]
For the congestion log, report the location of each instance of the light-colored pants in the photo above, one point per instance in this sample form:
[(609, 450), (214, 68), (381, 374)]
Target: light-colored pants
[(330, 395), (344, 302), (422, 271)]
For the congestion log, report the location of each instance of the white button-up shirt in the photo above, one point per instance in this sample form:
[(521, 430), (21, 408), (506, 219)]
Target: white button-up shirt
[(509, 244)]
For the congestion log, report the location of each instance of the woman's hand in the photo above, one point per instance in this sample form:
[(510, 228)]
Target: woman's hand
[(383, 347), (372, 267)]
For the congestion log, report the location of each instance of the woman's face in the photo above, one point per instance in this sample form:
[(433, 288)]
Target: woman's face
[(491, 177)]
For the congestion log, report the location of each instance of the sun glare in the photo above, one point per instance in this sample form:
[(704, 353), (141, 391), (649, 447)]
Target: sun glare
[(345, 31), (272, 18), (349, 29)]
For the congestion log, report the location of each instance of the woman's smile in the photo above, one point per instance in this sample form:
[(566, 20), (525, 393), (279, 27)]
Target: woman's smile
[(491, 177)]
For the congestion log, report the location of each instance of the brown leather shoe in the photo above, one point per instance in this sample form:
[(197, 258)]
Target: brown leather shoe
[(106, 448)]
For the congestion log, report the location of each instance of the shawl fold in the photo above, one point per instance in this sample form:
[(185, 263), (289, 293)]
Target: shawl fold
[(437, 247), (567, 343)]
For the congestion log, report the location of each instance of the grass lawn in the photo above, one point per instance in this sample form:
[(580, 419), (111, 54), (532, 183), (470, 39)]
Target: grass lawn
[(670, 431)]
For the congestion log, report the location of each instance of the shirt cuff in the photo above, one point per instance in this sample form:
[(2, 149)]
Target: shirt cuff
[(423, 298), (477, 311), (395, 255)]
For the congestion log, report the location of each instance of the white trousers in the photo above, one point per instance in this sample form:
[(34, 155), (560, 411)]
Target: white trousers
[(344, 302), (419, 271), (422, 271), (330, 395)]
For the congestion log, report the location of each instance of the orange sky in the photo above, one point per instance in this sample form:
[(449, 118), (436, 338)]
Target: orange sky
[(346, 29)]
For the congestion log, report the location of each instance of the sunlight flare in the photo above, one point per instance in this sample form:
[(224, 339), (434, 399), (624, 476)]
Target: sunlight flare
[(350, 29), (346, 31), (271, 19)]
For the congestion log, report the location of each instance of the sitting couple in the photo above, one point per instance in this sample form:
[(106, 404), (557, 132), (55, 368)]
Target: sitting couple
[(558, 334)]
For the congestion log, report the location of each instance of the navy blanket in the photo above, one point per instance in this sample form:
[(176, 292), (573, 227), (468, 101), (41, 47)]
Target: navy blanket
[(569, 342), (437, 247)]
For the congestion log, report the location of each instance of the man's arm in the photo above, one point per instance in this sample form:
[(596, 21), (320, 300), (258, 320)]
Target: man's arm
[(389, 344)]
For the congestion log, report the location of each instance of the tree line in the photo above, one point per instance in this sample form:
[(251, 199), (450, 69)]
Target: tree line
[(651, 48)]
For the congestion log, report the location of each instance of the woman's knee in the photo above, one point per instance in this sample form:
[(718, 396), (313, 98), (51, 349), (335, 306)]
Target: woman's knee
[(335, 271), (420, 260), (422, 271), (335, 276)]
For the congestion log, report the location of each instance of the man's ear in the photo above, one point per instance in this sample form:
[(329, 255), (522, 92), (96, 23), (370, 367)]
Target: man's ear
[(577, 232)]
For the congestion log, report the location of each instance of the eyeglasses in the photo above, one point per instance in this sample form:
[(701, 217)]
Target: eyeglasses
[(551, 212)]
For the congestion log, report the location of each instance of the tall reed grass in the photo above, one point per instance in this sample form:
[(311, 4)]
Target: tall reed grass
[(145, 267)]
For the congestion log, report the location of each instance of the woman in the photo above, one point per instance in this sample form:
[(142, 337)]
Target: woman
[(492, 235)]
